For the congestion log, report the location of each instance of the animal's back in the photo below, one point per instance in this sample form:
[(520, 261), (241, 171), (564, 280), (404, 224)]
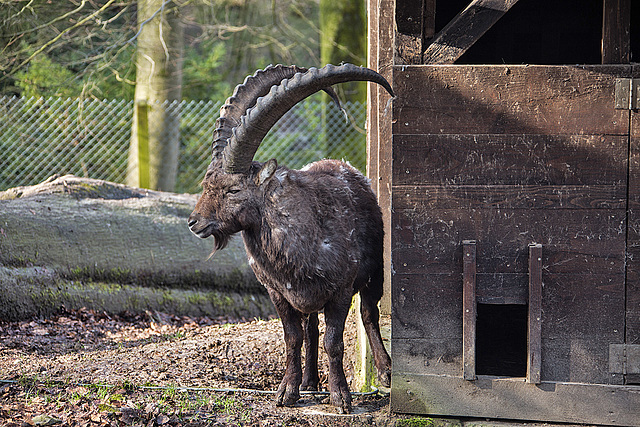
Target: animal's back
[(369, 232)]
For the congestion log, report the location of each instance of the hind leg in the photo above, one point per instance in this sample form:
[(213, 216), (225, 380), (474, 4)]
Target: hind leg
[(310, 378), (370, 295), (335, 314)]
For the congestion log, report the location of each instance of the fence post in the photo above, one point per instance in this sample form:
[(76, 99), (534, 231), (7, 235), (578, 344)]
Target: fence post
[(143, 144)]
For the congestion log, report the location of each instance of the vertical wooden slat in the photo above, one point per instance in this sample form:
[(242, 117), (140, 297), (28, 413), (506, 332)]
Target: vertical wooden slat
[(469, 309), (616, 31), (386, 30), (534, 347), (408, 24), (428, 22), (372, 96)]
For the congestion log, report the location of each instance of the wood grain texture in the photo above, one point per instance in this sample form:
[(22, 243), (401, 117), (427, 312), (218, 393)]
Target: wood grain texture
[(510, 160), (427, 240), (616, 31), (508, 156), (509, 99), (534, 335), (532, 197), (633, 250), (408, 24), (469, 309), (382, 35)]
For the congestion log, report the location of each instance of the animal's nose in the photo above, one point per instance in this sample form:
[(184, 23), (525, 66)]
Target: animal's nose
[(193, 219)]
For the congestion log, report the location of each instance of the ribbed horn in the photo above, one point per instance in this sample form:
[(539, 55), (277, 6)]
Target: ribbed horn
[(254, 125), (245, 96)]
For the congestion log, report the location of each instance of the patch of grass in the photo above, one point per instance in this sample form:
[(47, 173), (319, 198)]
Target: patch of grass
[(415, 422), (94, 274), (18, 262), (111, 401)]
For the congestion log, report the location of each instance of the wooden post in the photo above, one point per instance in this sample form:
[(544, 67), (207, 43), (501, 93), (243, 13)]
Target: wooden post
[(616, 31), (142, 110), (469, 309), (534, 344)]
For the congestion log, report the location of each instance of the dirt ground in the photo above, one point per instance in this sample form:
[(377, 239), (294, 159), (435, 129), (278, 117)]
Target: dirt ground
[(91, 369)]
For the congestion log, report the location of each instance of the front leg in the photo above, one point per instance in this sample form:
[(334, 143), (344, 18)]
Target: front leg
[(288, 392), (335, 314)]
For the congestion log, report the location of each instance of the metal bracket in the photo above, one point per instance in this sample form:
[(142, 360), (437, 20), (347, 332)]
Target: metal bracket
[(624, 359), (627, 93)]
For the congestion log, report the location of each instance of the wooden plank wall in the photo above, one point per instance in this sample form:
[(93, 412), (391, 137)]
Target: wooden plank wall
[(633, 255), (508, 156)]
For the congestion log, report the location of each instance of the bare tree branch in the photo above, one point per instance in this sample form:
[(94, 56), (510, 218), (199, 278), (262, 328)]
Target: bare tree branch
[(53, 21), (62, 33)]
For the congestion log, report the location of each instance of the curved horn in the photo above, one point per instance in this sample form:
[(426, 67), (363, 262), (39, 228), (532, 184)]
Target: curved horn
[(255, 124), (245, 96)]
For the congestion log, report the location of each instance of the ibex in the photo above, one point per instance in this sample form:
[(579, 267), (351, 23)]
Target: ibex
[(313, 236)]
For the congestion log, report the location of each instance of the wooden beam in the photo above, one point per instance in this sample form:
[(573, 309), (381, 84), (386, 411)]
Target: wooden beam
[(428, 21), (534, 341), (408, 31), (415, 26), (382, 28), (616, 31), (512, 398), (469, 309), (464, 30)]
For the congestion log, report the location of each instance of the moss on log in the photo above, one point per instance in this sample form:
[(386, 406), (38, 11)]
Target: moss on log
[(82, 242)]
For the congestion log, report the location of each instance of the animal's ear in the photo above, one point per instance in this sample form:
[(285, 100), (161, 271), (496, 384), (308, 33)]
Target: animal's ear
[(267, 171)]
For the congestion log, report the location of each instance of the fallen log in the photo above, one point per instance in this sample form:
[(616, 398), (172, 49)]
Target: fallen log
[(76, 242)]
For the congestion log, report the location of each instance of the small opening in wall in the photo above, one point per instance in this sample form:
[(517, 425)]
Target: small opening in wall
[(501, 340)]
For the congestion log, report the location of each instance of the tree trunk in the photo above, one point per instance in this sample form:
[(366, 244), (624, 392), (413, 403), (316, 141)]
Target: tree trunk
[(343, 39), (155, 136)]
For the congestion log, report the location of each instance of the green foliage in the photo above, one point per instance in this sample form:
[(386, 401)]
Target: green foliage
[(224, 41), (45, 78), (63, 38), (203, 70)]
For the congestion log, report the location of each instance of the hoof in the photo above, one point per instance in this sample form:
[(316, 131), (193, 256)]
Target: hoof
[(309, 385), (287, 395), (342, 401), (384, 377)]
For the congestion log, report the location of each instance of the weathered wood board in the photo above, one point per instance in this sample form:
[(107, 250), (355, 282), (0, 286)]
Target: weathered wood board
[(508, 99), (514, 399)]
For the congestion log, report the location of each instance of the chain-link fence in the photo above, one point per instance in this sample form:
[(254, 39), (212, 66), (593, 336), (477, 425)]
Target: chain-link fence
[(90, 138)]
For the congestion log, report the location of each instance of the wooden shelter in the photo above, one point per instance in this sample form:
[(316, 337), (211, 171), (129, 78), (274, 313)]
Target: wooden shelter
[(510, 178)]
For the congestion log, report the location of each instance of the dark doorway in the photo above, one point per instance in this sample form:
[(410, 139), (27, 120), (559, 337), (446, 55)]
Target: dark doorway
[(501, 340)]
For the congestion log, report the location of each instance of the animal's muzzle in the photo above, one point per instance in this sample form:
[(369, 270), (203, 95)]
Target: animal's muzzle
[(200, 226)]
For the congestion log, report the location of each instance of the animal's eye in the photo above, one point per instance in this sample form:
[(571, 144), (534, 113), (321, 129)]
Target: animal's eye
[(233, 191)]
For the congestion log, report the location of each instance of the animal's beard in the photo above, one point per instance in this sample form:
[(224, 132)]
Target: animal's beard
[(221, 241)]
